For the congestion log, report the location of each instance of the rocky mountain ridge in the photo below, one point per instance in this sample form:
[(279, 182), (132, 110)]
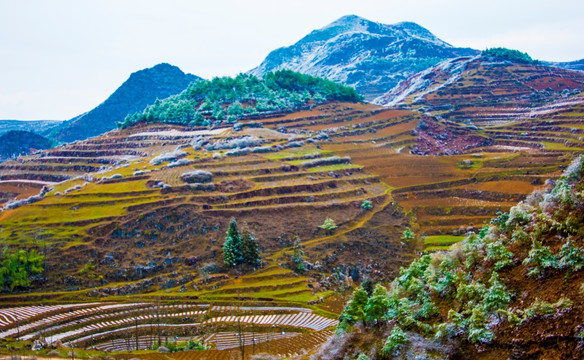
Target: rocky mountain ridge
[(370, 56)]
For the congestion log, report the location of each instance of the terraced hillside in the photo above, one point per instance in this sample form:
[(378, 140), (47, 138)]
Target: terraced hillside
[(125, 214), (485, 82)]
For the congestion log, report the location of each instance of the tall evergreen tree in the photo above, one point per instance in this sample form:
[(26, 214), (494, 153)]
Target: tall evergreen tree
[(249, 249), (232, 255)]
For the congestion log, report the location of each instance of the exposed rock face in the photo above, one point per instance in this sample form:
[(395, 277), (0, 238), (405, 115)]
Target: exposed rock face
[(369, 56)]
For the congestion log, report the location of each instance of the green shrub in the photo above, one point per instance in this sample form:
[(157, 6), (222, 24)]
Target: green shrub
[(539, 259), (377, 304), (501, 220), (499, 253), (366, 205), (396, 341), (571, 257), (408, 235), (355, 309), (477, 327), (298, 254), (542, 308), (328, 226)]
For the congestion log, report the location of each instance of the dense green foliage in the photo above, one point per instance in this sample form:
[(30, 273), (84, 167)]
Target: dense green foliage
[(240, 249), (232, 255), (173, 346), (226, 99), (18, 268), (464, 293), (249, 249), (509, 54)]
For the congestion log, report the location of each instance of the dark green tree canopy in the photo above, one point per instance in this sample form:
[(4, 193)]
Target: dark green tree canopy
[(250, 249), (18, 267), (239, 248), (230, 98), (509, 54)]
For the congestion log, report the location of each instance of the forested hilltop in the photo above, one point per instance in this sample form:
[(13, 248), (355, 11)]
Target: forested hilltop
[(227, 99), (487, 295)]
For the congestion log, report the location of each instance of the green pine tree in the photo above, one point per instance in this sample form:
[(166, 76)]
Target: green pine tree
[(377, 304), (249, 249), (232, 255), (355, 310)]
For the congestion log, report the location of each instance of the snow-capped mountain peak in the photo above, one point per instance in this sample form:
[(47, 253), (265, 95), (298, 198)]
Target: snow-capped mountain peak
[(370, 56)]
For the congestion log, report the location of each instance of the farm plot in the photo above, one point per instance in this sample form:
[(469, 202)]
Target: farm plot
[(139, 326)]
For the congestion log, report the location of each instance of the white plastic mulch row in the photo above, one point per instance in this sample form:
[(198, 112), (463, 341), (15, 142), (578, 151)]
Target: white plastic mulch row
[(230, 340), (258, 308), (301, 320), (45, 322), (144, 343), (10, 315), (123, 330), (110, 323), (113, 323)]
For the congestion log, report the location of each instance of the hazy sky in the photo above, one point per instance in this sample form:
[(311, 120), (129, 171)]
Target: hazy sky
[(61, 58)]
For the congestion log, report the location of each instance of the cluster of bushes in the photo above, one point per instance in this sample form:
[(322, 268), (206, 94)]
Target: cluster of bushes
[(180, 346), (509, 54), (227, 99), (470, 279), (19, 267)]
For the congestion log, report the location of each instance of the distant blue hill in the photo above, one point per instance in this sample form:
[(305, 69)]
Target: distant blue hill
[(35, 126), (140, 90)]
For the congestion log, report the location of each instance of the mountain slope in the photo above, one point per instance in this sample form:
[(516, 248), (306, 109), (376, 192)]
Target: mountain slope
[(141, 89), (370, 56), (485, 81), (15, 143), (485, 298)]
